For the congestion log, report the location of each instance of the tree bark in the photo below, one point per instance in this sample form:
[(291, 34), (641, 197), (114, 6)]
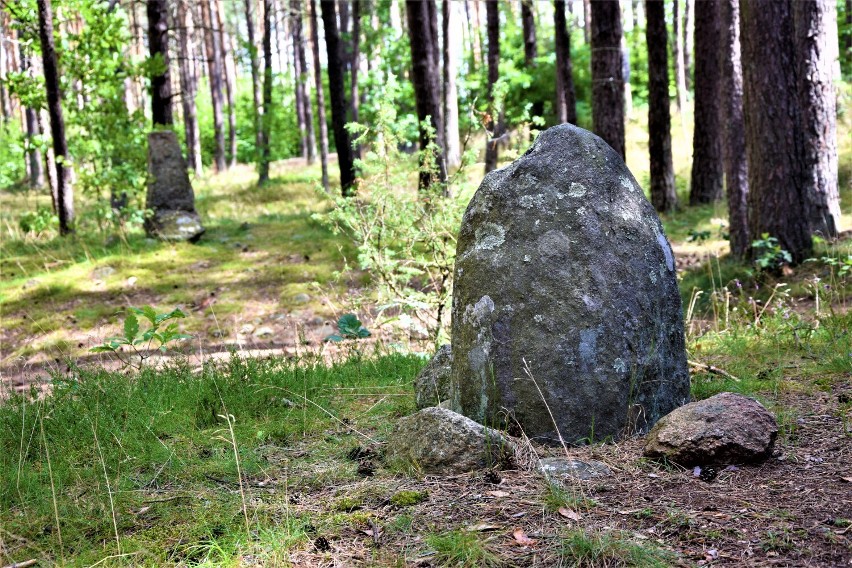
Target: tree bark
[(688, 15), (263, 154), (450, 90), (734, 149), (338, 99), (677, 56), (707, 177), (5, 98), (255, 76), (815, 37), (298, 91), (158, 45), (230, 80), (304, 85), (528, 29), (566, 101), (777, 199), (663, 193), (189, 86), (587, 21), (35, 169), (427, 90), (214, 76), (607, 74), (64, 200), (354, 65), (493, 126), (323, 124)]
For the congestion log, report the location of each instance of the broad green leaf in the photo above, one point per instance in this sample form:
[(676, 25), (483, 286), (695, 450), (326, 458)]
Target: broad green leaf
[(131, 327)]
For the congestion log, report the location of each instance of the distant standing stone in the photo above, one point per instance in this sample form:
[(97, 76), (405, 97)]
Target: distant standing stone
[(727, 428), (562, 262), (432, 385), (170, 193)]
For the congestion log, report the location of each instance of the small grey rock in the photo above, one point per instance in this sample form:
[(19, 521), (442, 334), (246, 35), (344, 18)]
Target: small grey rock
[(102, 272), (559, 468), (723, 429), (432, 384), (264, 331), (440, 441), (175, 226), (301, 298)]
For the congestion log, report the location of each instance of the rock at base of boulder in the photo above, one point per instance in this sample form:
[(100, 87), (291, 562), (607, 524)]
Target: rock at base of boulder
[(558, 469), (723, 429), (432, 385), (440, 441), (175, 226)]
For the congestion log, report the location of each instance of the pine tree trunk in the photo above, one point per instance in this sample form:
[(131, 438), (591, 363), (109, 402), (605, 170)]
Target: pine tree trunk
[(266, 120), (35, 169), (734, 150), (528, 28), (777, 199), (49, 161), (450, 91), (688, 15), (566, 103), (321, 115), (158, 45), (255, 76), (230, 79), (677, 56), (663, 194), (492, 13), (608, 74), (298, 92), (336, 87), (189, 86), (475, 25), (634, 13), (815, 37), (64, 200), (707, 177), (214, 75), (587, 21), (5, 98), (427, 88), (304, 85), (354, 65)]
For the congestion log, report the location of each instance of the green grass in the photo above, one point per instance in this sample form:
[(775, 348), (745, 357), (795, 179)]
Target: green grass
[(167, 454), (591, 549), (461, 549)]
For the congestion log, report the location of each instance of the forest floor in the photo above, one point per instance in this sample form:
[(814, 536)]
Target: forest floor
[(144, 467)]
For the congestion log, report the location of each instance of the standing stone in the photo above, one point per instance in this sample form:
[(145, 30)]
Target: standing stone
[(563, 263), (432, 385), (170, 193)]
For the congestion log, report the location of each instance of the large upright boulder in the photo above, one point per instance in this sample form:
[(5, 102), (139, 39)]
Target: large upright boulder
[(563, 263), (170, 194)]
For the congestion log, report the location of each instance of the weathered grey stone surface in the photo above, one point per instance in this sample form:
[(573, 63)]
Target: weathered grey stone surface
[(440, 441), (558, 469), (562, 262), (727, 428), (432, 385), (170, 193)]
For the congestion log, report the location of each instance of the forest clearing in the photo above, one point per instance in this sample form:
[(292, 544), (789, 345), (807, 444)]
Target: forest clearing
[(480, 283)]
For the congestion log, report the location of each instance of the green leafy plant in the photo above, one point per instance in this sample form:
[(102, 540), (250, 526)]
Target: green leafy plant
[(136, 338), (349, 327), (38, 221), (696, 236), (768, 254)]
